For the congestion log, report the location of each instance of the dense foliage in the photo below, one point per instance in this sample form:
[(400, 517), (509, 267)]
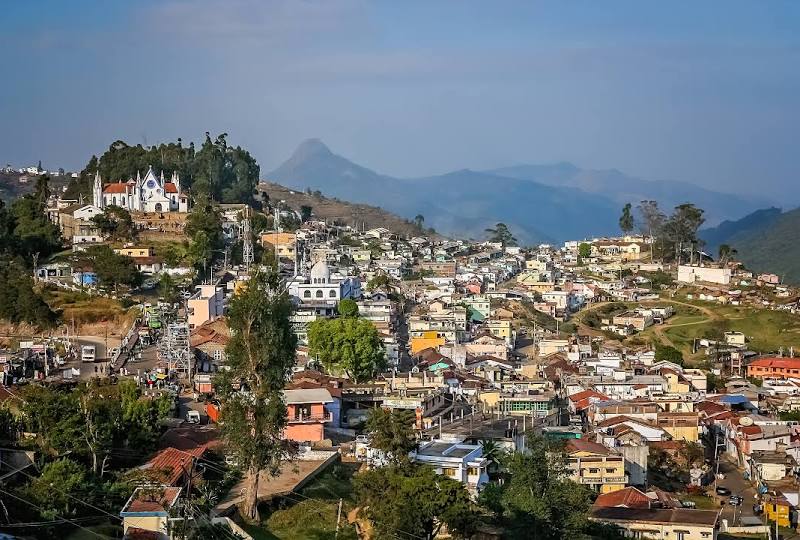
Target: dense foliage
[(348, 345), (112, 269), (26, 236), (538, 495), (115, 223), (227, 173)]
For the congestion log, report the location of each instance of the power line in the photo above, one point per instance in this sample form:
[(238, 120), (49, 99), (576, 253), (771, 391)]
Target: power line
[(70, 496), (61, 517)]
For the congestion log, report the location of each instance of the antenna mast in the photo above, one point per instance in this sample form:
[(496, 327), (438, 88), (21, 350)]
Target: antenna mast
[(247, 240)]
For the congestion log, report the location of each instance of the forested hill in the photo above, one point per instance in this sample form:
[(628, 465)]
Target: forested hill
[(766, 241), (229, 173)]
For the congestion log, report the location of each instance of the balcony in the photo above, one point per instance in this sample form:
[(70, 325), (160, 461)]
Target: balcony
[(311, 418)]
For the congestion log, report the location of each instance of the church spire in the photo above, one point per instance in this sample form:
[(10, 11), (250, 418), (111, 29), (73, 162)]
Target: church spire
[(97, 190)]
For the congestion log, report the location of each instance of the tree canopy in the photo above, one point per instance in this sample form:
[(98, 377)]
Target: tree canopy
[(115, 223), (112, 269), (349, 345), (502, 234), (626, 219), (229, 174), (538, 495)]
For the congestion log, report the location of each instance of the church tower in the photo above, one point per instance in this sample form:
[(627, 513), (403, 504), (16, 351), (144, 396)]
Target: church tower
[(97, 191)]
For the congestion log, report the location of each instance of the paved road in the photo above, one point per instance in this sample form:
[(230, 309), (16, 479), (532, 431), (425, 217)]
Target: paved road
[(738, 486)]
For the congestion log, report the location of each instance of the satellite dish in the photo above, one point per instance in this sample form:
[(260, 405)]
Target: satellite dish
[(745, 421)]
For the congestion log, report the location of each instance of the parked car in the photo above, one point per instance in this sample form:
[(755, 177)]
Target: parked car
[(735, 500), (723, 491), (689, 504), (193, 417)]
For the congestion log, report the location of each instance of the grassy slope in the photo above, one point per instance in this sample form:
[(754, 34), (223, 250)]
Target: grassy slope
[(312, 515)]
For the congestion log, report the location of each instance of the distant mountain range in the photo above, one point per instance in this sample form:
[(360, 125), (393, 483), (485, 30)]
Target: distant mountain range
[(766, 241), (540, 203)]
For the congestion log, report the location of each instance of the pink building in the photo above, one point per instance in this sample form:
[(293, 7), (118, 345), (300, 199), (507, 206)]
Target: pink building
[(306, 414)]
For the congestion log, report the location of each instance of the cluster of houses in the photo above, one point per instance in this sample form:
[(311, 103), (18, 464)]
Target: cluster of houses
[(471, 336)]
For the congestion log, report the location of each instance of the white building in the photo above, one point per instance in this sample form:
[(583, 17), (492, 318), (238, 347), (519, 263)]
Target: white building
[(321, 288), (710, 274), (148, 194), (456, 460)]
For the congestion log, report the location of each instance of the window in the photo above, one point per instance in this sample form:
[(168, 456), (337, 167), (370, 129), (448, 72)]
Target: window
[(473, 471), (307, 294), (114, 200), (123, 200), (217, 354), (332, 294), (611, 471), (319, 294), (594, 471), (158, 207)]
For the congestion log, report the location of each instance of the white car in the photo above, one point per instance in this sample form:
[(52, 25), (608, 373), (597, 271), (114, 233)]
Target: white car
[(193, 417)]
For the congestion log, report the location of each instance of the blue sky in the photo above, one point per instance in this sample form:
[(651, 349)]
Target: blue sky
[(705, 92)]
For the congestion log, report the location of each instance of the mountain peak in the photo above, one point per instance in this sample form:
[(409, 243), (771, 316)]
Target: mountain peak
[(311, 148)]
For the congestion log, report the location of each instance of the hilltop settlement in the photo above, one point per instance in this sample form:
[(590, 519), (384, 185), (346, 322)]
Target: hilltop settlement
[(184, 356)]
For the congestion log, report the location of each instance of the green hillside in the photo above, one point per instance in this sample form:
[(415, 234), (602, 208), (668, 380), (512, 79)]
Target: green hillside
[(775, 248)]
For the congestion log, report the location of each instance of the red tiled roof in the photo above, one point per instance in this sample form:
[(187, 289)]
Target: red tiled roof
[(629, 497), (173, 463), (791, 363), (169, 187), (587, 394), (119, 187)]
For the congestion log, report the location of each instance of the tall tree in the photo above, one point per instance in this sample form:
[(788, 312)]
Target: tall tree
[(626, 220), (305, 213), (419, 221), (682, 227), (260, 356), (652, 221), (501, 233), (116, 223)]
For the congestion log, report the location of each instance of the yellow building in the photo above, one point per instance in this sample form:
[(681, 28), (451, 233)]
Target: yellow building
[(778, 509), (425, 340), (676, 383), (283, 243), (596, 466), (136, 251), (500, 328), (683, 426)]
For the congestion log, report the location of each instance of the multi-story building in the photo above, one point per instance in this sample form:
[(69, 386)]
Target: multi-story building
[(456, 460), (206, 305), (596, 466), (306, 414), (774, 368)]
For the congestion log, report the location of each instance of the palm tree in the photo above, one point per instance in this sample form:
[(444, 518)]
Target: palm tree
[(493, 453)]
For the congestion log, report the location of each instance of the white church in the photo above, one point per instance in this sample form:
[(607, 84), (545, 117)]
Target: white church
[(149, 194)]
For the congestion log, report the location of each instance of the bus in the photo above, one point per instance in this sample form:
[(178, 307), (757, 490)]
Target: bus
[(88, 353)]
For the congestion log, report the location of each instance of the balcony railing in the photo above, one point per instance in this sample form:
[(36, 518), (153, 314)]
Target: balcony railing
[(311, 418)]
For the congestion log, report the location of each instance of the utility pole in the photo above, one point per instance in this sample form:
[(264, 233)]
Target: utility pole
[(338, 518)]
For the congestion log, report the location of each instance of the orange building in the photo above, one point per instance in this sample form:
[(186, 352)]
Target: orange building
[(306, 414), (428, 339), (782, 368)]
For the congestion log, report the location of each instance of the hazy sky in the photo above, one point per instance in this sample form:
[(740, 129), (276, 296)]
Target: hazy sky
[(706, 92)]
